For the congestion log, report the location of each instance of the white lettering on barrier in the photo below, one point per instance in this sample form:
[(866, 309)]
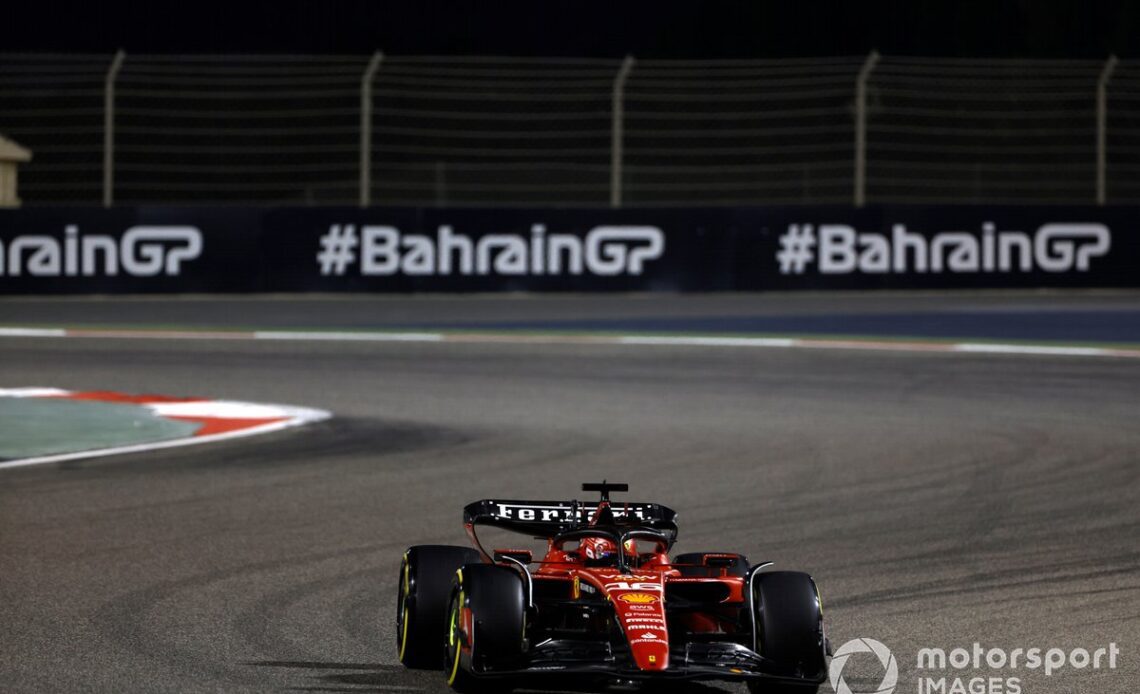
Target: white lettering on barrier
[(606, 251), (142, 251), (838, 249)]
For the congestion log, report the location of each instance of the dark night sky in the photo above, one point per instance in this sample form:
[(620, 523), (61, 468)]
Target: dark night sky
[(693, 29)]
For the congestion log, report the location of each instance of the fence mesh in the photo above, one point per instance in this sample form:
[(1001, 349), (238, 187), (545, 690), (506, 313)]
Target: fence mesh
[(237, 130), (971, 131), (53, 105), (774, 131), (488, 131), (540, 131), (1123, 134)]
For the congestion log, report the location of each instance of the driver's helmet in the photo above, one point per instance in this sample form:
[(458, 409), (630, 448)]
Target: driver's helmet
[(598, 548)]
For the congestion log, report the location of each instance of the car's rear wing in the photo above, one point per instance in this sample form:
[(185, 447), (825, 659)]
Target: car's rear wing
[(549, 518)]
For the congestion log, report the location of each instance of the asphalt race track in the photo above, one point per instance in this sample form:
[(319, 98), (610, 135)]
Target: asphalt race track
[(938, 499)]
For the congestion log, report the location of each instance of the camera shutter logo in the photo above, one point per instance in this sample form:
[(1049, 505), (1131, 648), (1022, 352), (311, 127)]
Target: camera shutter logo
[(890, 678)]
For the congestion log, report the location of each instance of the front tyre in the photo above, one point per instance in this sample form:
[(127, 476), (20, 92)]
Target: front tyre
[(486, 625), (426, 573), (789, 630)]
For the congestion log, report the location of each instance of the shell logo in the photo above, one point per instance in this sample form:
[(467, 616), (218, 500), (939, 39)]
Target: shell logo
[(637, 598)]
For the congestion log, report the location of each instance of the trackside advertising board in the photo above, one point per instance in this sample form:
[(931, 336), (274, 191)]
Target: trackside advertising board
[(162, 249)]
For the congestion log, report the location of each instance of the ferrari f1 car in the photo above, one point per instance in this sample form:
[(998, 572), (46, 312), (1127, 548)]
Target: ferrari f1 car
[(606, 602)]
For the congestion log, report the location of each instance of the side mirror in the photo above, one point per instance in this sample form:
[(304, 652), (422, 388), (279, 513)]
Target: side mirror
[(721, 561)]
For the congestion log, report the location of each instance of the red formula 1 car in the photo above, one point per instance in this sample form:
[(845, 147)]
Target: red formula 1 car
[(605, 603)]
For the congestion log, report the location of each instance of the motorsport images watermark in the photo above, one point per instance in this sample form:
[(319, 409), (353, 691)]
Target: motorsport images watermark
[(944, 667)]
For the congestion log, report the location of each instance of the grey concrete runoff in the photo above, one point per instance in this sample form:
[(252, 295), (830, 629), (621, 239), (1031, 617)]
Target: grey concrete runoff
[(32, 427), (938, 499)]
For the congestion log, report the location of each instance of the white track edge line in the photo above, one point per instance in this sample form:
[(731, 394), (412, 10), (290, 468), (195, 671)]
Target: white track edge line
[(822, 342), (700, 341), (32, 392), (33, 332), (347, 337), (986, 348)]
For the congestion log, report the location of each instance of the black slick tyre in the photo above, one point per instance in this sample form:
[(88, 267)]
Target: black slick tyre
[(789, 630), (426, 575), (485, 628)]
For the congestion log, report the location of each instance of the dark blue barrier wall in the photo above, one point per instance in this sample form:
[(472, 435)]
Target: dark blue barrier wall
[(146, 249)]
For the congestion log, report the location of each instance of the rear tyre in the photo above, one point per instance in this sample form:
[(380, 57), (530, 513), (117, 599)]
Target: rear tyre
[(789, 629), (486, 624), (426, 573), (739, 567)]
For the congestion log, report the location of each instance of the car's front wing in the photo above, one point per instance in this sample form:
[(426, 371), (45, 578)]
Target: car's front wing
[(692, 661)]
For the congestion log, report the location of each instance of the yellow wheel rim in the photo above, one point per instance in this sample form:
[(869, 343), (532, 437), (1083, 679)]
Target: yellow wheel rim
[(453, 640), (404, 610), (404, 635)]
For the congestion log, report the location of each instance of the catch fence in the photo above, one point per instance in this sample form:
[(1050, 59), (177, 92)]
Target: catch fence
[(483, 131)]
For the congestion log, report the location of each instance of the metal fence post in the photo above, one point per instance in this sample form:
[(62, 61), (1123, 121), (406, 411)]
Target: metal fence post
[(861, 127), (366, 128), (618, 131), (1102, 129), (109, 128)]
